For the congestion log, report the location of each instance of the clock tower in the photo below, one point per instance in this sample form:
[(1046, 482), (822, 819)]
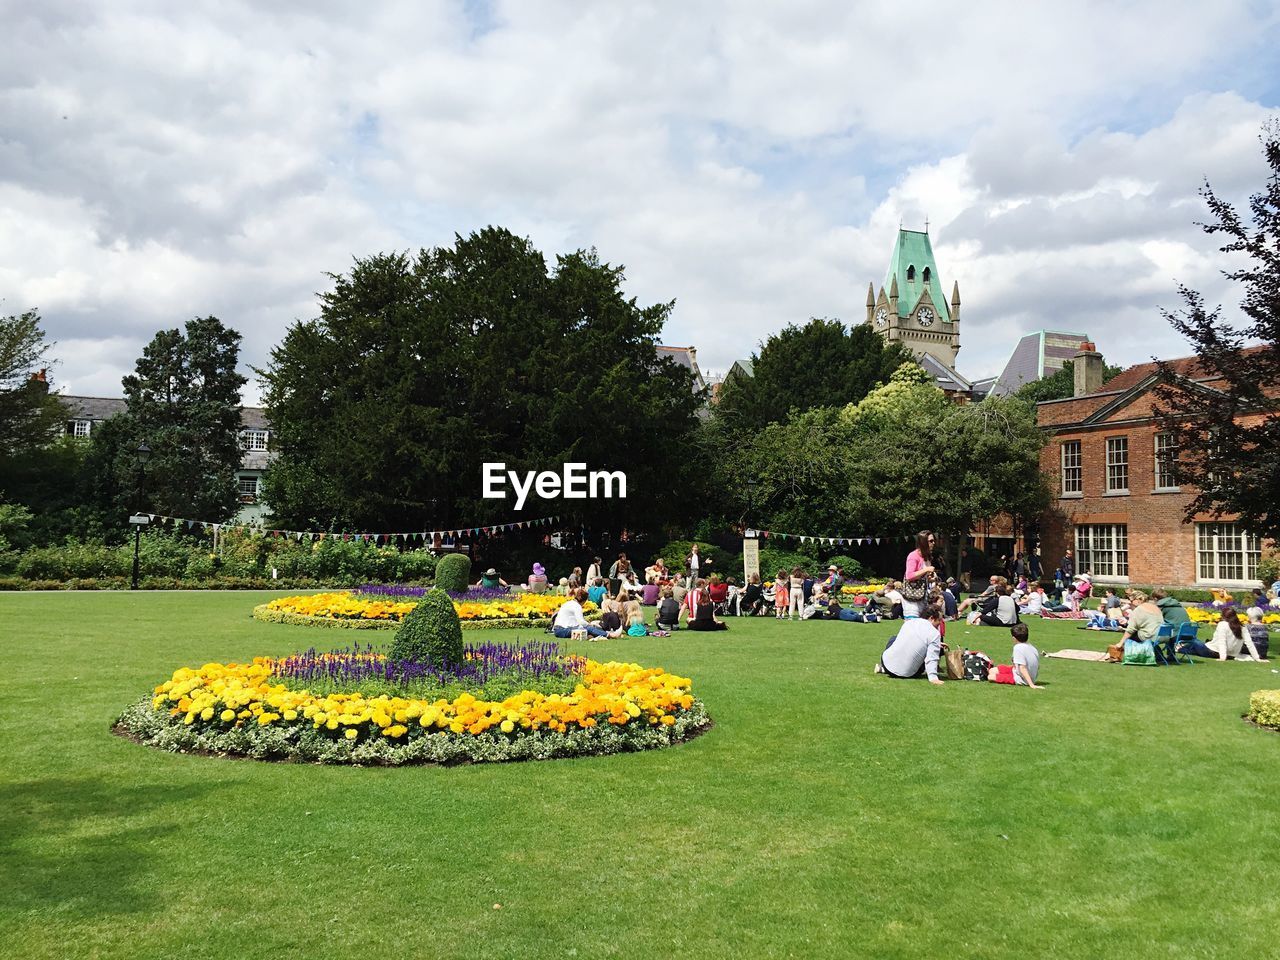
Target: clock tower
[(911, 307)]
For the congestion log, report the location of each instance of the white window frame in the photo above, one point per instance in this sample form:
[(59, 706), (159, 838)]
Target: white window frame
[(1065, 468), (81, 428), (1102, 549), (1165, 462), (240, 486), (1227, 553), (1116, 464), (255, 440)]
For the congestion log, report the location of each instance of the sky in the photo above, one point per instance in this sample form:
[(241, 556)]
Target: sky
[(750, 161)]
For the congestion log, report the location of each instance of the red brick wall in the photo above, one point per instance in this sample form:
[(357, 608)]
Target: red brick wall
[(1161, 546)]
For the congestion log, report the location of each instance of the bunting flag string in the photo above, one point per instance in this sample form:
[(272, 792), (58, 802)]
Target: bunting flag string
[(384, 538), (833, 541)]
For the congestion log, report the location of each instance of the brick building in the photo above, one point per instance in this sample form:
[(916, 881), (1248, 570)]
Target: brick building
[(1116, 497)]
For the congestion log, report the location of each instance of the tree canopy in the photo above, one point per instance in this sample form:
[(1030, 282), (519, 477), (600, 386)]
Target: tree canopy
[(183, 400), (1226, 437), (821, 364), (902, 458), (1060, 384), (420, 369), (30, 416)]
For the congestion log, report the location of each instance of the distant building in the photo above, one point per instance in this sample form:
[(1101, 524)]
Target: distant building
[(1036, 356), (687, 357), (911, 308), (255, 438)]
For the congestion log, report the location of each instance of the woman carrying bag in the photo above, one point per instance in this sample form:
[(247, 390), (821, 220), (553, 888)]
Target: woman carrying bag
[(916, 581)]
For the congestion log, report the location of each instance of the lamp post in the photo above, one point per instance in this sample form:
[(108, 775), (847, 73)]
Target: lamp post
[(140, 520)]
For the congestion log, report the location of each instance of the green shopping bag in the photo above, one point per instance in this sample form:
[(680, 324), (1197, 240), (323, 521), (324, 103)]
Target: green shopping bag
[(1139, 653)]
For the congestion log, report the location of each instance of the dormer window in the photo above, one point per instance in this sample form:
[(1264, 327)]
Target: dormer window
[(253, 439), (911, 273), (926, 275)]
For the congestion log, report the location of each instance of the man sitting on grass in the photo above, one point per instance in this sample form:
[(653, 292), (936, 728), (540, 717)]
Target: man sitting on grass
[(1026, 661), (914, 652)]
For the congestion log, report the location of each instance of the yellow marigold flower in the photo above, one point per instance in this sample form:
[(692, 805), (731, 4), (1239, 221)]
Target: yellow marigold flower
[(206, 713), (332, 724), (291, 714), (507, 726), (227, 716), (352, 733)]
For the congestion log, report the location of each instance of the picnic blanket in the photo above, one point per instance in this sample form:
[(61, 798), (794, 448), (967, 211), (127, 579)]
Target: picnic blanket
[(1064, 615), (1078, 655), (1103, 629)]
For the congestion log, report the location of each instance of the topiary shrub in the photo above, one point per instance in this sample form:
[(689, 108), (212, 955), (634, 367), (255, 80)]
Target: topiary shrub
[(431, 633), (453, 572)]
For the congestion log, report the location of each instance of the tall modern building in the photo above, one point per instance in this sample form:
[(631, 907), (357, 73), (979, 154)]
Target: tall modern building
[(1036, 356)]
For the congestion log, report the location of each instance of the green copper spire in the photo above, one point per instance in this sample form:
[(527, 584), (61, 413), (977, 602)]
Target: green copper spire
[(913, 250)]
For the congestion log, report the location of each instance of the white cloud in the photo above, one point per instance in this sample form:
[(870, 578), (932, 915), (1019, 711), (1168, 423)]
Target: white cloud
[(159, 162)]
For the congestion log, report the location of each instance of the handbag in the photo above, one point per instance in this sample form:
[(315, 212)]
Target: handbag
[(914, 591)]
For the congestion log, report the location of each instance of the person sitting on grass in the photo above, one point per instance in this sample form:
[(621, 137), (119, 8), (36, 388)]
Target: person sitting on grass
[(1026, 661), (570, 618), (596, 592), (704, 611), (1035, 602), (1229, 638), (489, 580), (1257, 631), (997, 610), (914, 652), (633, 619), (668, 617)]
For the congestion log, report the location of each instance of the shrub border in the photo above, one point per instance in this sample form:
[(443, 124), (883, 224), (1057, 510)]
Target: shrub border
[(300, 743)]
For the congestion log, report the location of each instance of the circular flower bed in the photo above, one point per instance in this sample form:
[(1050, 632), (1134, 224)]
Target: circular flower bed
[(363, 609), (359, 707)]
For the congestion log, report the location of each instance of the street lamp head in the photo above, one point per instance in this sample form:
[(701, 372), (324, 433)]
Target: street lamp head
[(143, 451)]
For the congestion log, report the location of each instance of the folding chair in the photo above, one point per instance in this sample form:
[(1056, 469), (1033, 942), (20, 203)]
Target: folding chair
[(1163, 644), (1187, 631)]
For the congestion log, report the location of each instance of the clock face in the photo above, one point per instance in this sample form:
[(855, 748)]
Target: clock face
[(882, 316), (925, 316)]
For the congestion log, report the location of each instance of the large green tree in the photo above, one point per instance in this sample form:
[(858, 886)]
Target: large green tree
[(902, 458), (183, 401), (1226, 437), (420, 369), (820, 364), (30, 416)]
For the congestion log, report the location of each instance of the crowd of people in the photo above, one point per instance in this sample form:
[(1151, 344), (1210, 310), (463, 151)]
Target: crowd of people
[(924, 599)]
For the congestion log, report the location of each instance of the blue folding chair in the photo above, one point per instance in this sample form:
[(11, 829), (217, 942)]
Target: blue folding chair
[(1163, 644), (1186, 632)]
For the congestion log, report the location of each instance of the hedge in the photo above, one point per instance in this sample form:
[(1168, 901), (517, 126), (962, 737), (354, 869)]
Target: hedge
[(1264, 708)]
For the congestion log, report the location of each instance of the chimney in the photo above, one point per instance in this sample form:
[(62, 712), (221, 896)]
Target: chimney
[(40, 380), (1088, 369)]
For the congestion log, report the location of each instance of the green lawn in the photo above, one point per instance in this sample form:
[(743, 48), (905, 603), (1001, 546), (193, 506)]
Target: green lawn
[(1122, 812)]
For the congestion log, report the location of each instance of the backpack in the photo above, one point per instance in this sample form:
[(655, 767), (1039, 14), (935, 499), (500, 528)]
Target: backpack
[(976, 665)]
